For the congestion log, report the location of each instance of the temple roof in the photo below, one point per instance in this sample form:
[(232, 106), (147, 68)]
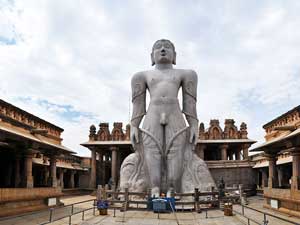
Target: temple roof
[(277, 141), (297, 108), (15, 108), (36, 138)]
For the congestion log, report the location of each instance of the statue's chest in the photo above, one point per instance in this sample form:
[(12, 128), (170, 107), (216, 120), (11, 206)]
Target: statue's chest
[(164, 79)]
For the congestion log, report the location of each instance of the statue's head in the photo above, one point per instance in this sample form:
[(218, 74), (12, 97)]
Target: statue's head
[(163, 52)]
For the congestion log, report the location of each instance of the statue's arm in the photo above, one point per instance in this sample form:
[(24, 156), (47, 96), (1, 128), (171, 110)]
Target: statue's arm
[(189, 98), (138, 86)]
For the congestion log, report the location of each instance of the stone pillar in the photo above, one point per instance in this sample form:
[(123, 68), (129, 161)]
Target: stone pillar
[(230, 154), (8, 174), (72, 181), (296, 170), (272, 181), (53, 171), (61, 178), (104, 169), (28, 170), (237, 155), (280, 176), (264, 178), (99, 169), (224, 151), (114, 164), (200, 151), (46, 176), (17, 171), (93, 169), (245, 152)]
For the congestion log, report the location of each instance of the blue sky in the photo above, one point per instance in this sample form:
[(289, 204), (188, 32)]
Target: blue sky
[(71, 62)]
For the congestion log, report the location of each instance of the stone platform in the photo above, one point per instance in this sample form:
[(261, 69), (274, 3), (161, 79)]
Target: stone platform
[(215, 217)]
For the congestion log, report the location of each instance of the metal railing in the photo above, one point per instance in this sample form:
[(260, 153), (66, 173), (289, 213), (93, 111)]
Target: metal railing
[(67, 211), (73, 212), (265, 216)]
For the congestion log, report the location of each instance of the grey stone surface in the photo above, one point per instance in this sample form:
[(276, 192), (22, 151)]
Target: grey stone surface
[(164, 157)]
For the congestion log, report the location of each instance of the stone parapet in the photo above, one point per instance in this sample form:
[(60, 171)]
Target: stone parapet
[(228, 164), (22, 194)]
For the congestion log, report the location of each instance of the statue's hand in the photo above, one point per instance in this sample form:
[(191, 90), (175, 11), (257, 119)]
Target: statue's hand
[(193, 136), (134, 135)]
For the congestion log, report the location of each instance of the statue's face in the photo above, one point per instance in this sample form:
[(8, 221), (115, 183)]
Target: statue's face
[(163, 52)]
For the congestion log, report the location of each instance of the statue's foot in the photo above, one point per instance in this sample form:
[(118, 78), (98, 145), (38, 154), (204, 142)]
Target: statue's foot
[(155, 192)]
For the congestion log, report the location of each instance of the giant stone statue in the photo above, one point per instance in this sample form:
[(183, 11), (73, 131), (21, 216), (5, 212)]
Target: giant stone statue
[(164, 157)]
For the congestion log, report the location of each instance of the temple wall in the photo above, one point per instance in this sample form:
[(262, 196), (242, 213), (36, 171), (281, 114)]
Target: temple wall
[(84, 180), (235, 176)]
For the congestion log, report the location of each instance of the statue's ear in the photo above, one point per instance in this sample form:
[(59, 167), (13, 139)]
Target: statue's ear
[(174, 59), (152, 59)]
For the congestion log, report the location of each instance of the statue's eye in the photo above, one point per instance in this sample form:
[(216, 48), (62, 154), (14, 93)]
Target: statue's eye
[(158, 45), (167, 45)]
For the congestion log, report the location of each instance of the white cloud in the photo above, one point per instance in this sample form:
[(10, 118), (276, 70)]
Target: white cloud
[(83, 55)]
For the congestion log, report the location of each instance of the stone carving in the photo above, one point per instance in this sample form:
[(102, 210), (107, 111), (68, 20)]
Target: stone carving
[(164, 157), (230, 130), (92, 132), (103, 133), (243, 130), (215, 131), (201, 131), (117, 132), (127, 133)]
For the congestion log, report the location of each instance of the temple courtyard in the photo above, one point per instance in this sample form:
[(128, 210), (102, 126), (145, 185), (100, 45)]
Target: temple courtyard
[(214, 217)]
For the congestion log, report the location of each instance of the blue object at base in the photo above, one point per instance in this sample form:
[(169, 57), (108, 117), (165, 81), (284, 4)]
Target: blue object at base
[(161, 204)]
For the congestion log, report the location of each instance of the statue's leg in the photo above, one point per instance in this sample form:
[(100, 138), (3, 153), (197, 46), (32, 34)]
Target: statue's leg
[(153, 161), (175, 160)]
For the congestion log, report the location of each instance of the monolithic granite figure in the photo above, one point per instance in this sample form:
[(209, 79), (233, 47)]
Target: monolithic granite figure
[(164, 157)]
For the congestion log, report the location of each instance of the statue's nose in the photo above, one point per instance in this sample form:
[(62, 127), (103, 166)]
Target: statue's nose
[(163, 50)]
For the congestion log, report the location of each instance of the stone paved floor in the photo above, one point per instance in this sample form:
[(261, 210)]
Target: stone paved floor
[(257, 203), (43, 216), (215, 217)]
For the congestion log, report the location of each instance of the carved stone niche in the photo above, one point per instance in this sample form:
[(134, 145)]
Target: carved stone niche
[(243, 131), (201, 131), (127, 135), (117, 132), (103, 133), (92, 135), (215, 131), (230, 130)]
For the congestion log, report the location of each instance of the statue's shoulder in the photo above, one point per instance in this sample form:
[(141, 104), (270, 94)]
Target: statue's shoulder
[(139, 76), (188, 74)]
